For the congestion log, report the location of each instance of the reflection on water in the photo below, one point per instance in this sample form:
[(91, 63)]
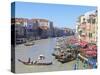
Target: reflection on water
[(45, 47)]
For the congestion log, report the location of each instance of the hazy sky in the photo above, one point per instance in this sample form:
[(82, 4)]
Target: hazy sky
[(61, 15)]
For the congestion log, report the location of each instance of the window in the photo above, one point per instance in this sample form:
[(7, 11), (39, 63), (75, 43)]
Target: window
[(93, 21), (80, 32), (90, 35), (83, 19), (89, 20)]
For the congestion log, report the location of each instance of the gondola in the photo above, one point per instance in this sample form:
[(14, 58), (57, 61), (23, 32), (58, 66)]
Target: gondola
[(35, 63)]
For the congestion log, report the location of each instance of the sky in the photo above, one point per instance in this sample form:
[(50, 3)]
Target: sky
[(61, 15)]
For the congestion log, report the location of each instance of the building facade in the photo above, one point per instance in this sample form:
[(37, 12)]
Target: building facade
[(43, 28), (20, 30), (87, 27)]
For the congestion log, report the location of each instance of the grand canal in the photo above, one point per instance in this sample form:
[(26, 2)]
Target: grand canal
[(44, 47)]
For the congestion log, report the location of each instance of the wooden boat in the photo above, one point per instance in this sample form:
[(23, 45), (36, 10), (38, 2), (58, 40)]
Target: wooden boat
[(66, 59), (35, 63)]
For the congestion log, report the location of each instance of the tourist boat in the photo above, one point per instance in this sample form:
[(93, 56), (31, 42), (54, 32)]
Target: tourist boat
[(29, 62)]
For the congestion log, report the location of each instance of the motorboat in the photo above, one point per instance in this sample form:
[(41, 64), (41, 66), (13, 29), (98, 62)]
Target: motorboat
[(29, 43)]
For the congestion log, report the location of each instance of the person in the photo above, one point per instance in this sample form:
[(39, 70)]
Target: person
[(29, 60), (75, 66), (41, 57)]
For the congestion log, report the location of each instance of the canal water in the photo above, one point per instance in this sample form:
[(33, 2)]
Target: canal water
[(44, 47)]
